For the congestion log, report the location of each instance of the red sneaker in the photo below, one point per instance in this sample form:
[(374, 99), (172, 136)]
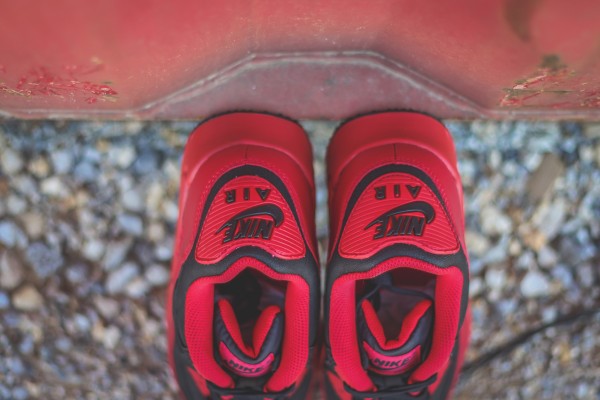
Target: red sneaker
[(243, 301), (396, 301)]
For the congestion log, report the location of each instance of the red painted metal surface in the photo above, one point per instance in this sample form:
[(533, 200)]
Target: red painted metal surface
[(191, 58)]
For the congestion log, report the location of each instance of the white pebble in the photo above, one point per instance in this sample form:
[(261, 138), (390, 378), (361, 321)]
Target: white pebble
[(10, 161), (62, 161), (131, 224), (495, 278), (547, 257), (107, 307), (93, 249), (137, 288), (15, 205), (157, 275), (11, 235), (132, 200), (54, 187), (494, 222), (118, 279), (112, 334), (535, 284), (122, 156)]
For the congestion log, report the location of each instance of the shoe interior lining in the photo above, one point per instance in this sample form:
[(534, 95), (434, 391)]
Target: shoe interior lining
[(249, 293)]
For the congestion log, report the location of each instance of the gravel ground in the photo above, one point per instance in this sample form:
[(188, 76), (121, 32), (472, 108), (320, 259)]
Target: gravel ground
[(87, 215)]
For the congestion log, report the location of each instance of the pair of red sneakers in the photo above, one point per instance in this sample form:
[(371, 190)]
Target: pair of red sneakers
[(244, 299)]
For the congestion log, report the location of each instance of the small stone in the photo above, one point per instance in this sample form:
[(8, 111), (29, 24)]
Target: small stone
[(164, 252), (115, 253), (19, 393), (27, 299), (535, 240), (44, 260), (547, 257), (146, 162), (498, 253), (10, 161), (63, 344), (137, 288), (93, 249), (586, 154), (77, 273), (107, 307), (132, 200), (475, 287), (585, 275), (494, 222), (155, 232), (173, 171), (477, 243), (11, 272), (549, 218), (112, 334), (563, 274), (131, 224), (62, 161), (154, 198), (4, 301), (81, 323), (34, 223), (495, 279), (526, 261), (133, 127), (11, 235), (532, 161), (85, 172), (549, 314), (54, 187), (535, 284), (515, 247), (507, 306), (15, 205), (171, 211), (122, 156), (157, 275), (118, 279), (39, 167), (591, 130)]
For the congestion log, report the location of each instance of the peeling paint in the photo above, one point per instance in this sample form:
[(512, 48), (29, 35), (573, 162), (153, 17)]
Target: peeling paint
[(549, 75), (68, 83)]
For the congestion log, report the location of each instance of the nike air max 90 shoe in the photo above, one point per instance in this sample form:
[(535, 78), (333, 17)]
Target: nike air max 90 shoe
[(396, 301), (243, 301)]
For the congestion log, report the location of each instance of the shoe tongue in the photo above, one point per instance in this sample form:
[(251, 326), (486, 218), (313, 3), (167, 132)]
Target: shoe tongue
[(256, 356), (395, 353)]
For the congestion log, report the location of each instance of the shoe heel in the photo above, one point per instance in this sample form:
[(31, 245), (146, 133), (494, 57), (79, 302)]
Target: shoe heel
[(388, 128)]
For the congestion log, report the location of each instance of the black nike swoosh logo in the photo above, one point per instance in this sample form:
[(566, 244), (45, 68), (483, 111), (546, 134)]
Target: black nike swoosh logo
[(416, 206), (264, 209)]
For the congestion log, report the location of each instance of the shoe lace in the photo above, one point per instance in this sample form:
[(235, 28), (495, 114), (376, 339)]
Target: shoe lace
[(396, 392), (217, 393)]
